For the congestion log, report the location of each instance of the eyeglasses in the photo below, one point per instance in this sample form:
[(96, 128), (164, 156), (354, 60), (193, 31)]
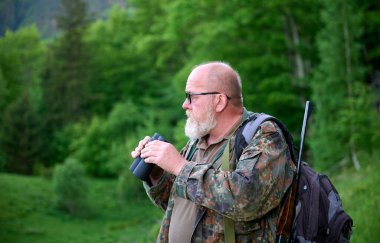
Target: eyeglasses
[(189, 94)]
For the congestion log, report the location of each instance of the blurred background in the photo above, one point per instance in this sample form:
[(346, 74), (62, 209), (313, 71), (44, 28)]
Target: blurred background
[(81, 82)]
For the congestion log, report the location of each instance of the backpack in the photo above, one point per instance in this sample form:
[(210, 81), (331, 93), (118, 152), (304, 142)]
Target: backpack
[(319, 214)]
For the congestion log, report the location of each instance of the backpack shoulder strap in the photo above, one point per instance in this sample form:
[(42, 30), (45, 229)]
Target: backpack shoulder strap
[(249, 128)]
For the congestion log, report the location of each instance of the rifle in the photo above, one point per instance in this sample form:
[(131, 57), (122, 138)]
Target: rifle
[(286, 218)]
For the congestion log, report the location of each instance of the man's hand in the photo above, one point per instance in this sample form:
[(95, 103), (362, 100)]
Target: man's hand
[(141, 145), (163, 154)]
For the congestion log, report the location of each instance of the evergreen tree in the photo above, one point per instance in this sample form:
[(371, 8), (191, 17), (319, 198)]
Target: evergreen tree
[(21, 138), (66, 82), (67, 85)]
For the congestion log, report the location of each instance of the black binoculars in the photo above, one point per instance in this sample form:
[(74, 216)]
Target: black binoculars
[(141, 169)]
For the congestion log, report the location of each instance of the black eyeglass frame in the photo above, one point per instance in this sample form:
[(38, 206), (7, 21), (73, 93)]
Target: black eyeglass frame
[(189, 94)]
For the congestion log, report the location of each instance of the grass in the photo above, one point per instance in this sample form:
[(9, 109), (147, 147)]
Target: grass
[(27, 214), (360, 193)]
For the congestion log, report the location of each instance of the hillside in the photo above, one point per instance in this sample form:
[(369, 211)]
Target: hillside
[(18, 13)]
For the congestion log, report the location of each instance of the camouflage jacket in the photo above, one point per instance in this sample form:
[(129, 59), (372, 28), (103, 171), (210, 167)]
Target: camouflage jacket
[(250, 193)]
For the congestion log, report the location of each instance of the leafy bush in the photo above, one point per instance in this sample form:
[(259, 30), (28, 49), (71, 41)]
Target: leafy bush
[(70, 187), (101, 144)]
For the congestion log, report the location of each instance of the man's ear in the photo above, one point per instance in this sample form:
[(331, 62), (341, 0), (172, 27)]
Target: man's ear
[(221, 103)]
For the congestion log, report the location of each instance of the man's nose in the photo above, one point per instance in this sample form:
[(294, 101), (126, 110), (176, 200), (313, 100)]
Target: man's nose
[(186, 104)]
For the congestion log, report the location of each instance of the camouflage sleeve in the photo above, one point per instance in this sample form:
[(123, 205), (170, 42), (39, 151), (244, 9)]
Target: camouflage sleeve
[(261, 178), (159, 194)]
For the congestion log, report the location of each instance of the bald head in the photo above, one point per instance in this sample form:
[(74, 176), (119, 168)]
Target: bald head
[(221, 77)]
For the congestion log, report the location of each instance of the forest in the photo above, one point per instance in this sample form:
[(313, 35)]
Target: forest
[(81, 99)]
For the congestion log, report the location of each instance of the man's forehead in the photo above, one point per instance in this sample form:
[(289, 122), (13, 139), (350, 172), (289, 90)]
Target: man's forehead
[(197, 78)]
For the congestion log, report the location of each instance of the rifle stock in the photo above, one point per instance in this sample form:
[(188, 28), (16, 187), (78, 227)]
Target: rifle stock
[(285, 221)]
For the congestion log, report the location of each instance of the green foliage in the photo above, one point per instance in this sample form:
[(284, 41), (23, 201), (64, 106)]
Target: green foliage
[(67, 96), (21, 138), (274, 80), (344, 112), (61, 142), (116, 66), (71, 188), (22, 141), (141, 54), (101, 144), (371, 34), (21, 65)]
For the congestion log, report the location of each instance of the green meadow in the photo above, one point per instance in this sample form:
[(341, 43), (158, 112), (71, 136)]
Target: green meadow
[(360, 193), (28, 214)]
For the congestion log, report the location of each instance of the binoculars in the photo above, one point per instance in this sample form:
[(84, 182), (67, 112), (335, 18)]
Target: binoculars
[(141, 169)]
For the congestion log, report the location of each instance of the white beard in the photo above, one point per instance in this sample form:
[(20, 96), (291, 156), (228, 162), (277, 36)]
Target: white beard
[(196, 129)]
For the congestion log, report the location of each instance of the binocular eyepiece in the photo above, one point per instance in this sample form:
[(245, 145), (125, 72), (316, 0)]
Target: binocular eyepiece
[(141, 169)]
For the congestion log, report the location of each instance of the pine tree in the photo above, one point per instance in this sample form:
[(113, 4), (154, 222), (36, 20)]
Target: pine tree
[(21, 136), (66, 85)]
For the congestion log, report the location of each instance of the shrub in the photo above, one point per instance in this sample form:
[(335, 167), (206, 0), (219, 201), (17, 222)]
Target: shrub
[(101, 144), (70, 187)]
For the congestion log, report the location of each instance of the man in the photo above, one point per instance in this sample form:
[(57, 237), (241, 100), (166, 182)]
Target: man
[(194, 191)]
